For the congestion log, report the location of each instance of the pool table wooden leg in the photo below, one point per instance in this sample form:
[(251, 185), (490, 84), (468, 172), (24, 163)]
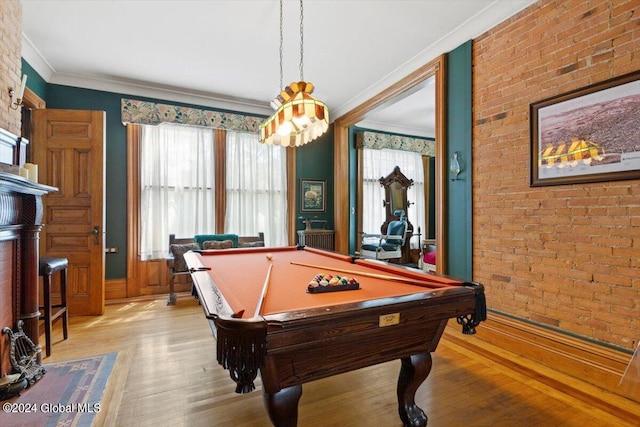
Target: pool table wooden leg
[(282, 406), (413, 372)]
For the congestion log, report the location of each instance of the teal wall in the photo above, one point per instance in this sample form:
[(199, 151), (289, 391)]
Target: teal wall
[(459, 136), (431, 226), (314, 161), (34, 81)]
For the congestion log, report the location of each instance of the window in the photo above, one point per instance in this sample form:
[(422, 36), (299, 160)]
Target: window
[(256, 188), (380, 163), (177, 169)]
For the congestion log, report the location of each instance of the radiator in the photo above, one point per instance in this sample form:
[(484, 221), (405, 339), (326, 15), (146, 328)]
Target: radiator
[(321, 239)]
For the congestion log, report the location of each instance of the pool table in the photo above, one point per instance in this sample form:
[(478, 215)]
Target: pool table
[(265, 320)]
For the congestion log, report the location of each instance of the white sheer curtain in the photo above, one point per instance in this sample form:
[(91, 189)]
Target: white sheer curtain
[(380, 163), (177, 185), (256, 188)]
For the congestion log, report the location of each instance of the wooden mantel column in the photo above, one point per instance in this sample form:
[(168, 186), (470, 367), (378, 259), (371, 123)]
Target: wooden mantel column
[(28, 305)]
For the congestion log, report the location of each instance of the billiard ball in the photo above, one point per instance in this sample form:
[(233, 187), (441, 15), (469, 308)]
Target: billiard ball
[(269, 256)]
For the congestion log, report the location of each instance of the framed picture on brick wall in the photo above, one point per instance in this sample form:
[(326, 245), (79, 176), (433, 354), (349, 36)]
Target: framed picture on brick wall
[(587, 135)]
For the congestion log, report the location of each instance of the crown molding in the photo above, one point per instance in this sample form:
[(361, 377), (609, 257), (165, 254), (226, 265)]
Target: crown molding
[(48, 73)]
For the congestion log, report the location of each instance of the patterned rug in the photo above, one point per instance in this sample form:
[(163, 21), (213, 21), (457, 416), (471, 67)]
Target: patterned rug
[(69, 394)]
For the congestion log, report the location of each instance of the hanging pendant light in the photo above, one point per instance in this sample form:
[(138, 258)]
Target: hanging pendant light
[(299, 117)]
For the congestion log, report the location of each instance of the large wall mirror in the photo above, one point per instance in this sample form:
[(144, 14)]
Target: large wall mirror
[(427, 84)]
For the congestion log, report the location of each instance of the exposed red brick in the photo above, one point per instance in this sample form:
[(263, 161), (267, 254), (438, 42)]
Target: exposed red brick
[(10, 58), (571, 252)]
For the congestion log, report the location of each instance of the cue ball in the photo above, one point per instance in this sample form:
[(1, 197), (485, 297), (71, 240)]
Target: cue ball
[(269, 256)]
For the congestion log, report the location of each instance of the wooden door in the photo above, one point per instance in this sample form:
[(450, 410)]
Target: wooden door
[(68, 147)]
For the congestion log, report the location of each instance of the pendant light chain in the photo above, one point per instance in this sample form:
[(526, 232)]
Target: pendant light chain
[(299, 118), (301, 42), (281, 43)]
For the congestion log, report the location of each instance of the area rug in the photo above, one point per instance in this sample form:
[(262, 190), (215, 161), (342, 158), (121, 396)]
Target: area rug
[(69, 394)]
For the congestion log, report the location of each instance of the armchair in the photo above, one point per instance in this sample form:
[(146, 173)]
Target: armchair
[(386, 246)]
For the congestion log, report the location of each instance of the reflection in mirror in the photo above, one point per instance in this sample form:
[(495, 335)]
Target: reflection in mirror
[(345, 220), (402, 131), (412, 113), (378, 169)]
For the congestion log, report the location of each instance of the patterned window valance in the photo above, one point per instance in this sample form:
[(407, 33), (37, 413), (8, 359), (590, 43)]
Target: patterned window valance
[(378, 141), (151, 113)]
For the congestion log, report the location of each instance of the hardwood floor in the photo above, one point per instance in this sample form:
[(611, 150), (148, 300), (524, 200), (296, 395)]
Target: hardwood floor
[(166, 374)]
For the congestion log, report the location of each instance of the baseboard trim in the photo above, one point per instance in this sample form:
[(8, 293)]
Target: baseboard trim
[(115, 289), (590, 362)]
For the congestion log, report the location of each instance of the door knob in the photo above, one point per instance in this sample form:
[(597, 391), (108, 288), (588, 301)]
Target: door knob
[(96, 234)]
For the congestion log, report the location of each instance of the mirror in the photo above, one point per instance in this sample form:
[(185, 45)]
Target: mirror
[(406, 87), (412, 113), (400, 133), (396, 197)]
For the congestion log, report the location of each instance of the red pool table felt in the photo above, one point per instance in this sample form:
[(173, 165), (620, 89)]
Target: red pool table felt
[(241, 279)]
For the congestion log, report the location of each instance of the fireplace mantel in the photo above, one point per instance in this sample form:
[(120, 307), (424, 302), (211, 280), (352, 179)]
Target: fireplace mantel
[(21, 212)]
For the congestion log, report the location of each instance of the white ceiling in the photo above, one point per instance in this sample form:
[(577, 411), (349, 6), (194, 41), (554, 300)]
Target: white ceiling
[(224, 54)]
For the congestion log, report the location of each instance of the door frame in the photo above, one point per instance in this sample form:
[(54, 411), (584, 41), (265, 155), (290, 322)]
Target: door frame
[(92, 306), (341, 154)]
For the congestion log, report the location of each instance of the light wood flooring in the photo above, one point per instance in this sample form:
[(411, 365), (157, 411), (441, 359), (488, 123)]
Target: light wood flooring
[(166, 375)]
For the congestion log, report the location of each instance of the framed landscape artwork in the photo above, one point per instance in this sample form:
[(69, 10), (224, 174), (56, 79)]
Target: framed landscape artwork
[(312, 195), (587, 135)]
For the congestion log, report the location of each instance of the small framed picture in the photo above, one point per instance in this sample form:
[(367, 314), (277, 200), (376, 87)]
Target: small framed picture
[(312, 195)]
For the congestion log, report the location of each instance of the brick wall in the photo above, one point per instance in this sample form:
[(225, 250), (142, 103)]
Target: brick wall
[(567, 256), (10, 64)]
